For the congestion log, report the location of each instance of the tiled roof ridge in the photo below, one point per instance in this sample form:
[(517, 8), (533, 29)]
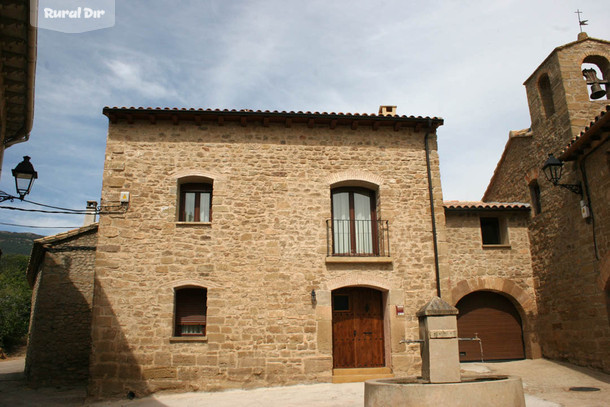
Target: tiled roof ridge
[(485, 205), (278, 112), (65, 235)]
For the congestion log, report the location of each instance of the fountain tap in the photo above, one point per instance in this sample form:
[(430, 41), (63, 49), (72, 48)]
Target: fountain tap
[(409, 341)]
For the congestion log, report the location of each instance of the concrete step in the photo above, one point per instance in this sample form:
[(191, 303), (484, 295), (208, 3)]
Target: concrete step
[(361, 374)]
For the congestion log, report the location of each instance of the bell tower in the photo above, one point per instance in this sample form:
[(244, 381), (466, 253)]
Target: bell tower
[(561, 98)]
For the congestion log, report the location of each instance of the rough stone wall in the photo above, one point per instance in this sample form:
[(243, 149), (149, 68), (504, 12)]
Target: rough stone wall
[(506, 269), (259, 258), (572, 315), (59, 341)]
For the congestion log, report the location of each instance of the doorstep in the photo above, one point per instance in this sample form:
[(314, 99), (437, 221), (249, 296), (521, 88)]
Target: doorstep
[(361, 374)]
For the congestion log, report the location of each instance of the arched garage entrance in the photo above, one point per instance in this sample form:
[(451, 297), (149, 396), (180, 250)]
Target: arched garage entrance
[(494, 319), (357, 328)]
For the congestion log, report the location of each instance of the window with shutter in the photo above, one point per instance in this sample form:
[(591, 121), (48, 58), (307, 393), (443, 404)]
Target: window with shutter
[(190, 311)]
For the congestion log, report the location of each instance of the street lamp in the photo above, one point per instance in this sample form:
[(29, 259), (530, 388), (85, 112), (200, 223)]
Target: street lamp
[(24, 178), (553, 169)]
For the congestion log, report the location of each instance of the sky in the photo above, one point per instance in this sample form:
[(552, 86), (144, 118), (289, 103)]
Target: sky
[(464, 61)]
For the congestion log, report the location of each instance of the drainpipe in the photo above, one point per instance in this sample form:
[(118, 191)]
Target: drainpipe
[(431, 195), (583, 170)]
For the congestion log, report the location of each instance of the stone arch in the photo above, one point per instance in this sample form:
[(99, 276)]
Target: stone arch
[(355, 178), (523, 301), (356, 280), (195, 173), (602, 66), (174, 284)]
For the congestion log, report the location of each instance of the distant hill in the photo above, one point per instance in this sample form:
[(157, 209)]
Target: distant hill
[(17, 243)]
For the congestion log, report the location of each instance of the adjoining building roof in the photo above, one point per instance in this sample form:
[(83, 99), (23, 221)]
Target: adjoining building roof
[(43, 244), (18, 39), (513, 134), (485, 206), (245, 116), (588, 137)]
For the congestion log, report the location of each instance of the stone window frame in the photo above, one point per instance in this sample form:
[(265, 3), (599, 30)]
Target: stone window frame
[(176, 336), (206, 185), (503, 235)]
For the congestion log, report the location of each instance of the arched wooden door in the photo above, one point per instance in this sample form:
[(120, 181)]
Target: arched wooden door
[(494, 319), (357, 328)]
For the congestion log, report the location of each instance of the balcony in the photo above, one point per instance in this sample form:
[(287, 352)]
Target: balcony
[(361, 241)]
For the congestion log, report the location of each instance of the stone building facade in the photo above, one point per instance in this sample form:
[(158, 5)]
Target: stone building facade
[(569, 229), (265, 248), (61, 272)]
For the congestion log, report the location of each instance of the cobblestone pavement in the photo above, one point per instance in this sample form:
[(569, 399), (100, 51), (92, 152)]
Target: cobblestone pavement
[(546, 384)]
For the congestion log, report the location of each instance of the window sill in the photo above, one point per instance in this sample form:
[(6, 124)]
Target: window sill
[(183, 224), (178, 339), (354, 259), (496, 246)]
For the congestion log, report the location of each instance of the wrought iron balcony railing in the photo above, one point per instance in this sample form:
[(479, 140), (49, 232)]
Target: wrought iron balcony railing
[(357, 238)]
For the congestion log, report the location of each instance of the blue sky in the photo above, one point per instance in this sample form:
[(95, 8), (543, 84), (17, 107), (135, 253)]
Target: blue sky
[(463, 61)]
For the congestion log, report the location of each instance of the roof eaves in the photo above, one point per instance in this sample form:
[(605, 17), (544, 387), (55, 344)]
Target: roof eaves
[(168, 113), (41, 245), (485, 206), (582, 141)]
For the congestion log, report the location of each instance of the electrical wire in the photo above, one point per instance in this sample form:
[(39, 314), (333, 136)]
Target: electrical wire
[(53, 207), (83, 212), (39, 227)]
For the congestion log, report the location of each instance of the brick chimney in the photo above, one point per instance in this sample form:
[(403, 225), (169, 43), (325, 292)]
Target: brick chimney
[(387, 110), (91, 215)]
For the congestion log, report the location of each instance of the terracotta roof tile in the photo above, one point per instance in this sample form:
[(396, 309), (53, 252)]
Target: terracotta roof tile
[(601, 121), (480, 205), (274, 112)]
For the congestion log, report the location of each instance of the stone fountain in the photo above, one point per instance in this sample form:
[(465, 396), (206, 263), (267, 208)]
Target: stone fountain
[(441, 383)]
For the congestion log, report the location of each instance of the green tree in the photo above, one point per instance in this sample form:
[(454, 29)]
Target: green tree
[(15, 300)]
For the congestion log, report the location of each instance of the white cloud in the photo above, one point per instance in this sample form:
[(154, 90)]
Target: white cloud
[(465, 61)]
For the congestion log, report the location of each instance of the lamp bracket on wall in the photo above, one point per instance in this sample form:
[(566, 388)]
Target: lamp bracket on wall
[(553, 170)]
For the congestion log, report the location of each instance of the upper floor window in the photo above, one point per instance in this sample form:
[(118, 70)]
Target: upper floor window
[(190, 311), (493, 231), (354, 221), (195, 202)]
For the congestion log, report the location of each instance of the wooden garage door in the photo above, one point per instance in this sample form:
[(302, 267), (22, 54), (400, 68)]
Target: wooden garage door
[(496, 321), (357, 328)]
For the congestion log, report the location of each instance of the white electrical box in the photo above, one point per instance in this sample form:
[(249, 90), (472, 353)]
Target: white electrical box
[(124, 197), (584, 210)]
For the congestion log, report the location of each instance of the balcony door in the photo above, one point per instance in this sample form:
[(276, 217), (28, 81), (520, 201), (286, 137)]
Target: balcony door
[(354, 222)]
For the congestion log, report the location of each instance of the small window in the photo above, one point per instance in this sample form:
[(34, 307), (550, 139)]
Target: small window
[(341, 303), (492, 231), (535, 197), (195, 203), (190, 311)]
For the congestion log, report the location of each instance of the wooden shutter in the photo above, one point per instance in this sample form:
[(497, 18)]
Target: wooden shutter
[(190, 307)]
